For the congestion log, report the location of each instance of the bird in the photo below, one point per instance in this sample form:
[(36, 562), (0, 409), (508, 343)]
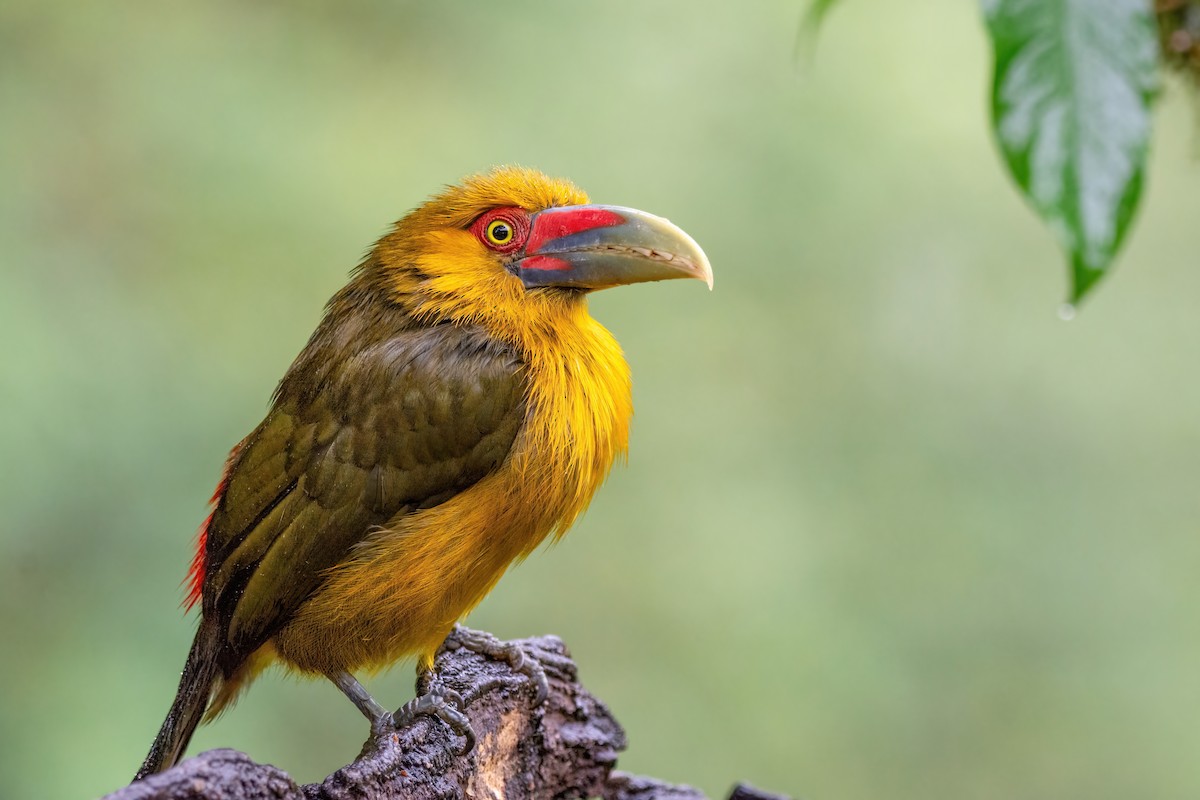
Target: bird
[(455, 406)]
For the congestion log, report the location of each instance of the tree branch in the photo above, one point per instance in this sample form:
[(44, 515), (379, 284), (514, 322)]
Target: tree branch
[(565, 748)]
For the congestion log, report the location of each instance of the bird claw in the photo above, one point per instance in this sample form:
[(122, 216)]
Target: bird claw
[(489, 646), (436, 700), (382, 724), (443, 703)]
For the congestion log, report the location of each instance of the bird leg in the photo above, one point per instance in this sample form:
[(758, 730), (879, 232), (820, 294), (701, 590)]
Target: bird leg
[(432, 700), (379, 716), (489, 646)]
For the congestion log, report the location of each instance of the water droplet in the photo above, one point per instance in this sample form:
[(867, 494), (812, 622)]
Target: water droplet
[(1066, 312)]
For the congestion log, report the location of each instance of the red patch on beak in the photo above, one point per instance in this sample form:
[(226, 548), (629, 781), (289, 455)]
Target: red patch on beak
[(545, 263), (554, 223)]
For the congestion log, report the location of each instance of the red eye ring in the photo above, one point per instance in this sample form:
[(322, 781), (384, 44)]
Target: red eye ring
[(502, 229)]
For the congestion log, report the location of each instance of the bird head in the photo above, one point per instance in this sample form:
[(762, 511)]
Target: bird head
[(512, 246)]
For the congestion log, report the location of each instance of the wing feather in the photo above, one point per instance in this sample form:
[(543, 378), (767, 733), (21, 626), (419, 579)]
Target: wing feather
[(403, 425)]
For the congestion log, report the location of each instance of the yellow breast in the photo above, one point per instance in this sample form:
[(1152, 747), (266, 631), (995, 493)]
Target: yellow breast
[(579, 411)]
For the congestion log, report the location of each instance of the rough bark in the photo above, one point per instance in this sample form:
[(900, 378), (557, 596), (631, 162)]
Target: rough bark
[(565, 748)]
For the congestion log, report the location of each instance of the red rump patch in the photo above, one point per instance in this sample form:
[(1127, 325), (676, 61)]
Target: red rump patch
[(199, 568), (554, 223)]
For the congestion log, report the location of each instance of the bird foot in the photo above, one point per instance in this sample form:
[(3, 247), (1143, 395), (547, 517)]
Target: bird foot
[(489, 646), (441, 702)]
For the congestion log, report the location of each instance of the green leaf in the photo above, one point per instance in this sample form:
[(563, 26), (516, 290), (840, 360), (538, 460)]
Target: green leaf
[(816, 12), (1071, 111), (810, 23)]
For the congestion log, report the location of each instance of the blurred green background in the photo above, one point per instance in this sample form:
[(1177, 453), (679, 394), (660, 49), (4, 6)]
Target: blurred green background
[(889, 527)]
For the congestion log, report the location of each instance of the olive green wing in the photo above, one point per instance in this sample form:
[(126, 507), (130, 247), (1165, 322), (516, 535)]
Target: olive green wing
[(404, 425)]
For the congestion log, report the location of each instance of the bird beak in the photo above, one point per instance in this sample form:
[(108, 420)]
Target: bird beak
[(595, 247)]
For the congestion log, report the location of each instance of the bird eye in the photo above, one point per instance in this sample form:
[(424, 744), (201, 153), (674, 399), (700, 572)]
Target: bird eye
[(499, 232), (502, 229)]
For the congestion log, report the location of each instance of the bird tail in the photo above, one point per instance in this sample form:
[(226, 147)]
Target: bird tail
[(195, 689)]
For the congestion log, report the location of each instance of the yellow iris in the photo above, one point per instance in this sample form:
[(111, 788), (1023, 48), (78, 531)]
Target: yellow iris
[(499, 232)]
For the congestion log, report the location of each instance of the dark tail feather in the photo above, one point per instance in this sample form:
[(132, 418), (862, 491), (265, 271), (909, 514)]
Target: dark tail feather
[(195, 689)]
